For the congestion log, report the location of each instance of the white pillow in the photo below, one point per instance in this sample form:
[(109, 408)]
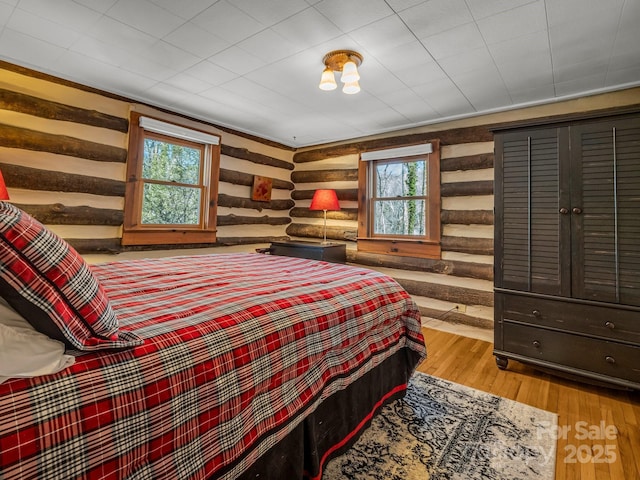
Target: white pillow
[(25, 352)]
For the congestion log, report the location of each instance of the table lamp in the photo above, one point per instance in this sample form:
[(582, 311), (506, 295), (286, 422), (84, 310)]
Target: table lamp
[(325, 200), (4, 195)]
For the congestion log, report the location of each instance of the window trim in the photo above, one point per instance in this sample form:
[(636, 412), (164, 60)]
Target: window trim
[(202, 185), (372, 183), (427, 246), (134, 233)]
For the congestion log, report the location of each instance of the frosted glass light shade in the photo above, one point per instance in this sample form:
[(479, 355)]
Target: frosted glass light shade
[(351, 88), (328, 81), (346, 62), (350, 72)]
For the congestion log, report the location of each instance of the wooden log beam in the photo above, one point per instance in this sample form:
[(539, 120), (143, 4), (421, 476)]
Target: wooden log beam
[(244, 154), (22, 103), (470, 162), (447, 267), (343, 194), (240, 178), (451, 316), (448, 293), (232, 219), (447, 137), (29, 178), (475, 246), (342, 214), (58, 214), (467, 217), (317, 231), (220, 242), (228, 241), (313, 176), (93, 245), (401, 262), (231, 201), (26, 139), (464, 189)]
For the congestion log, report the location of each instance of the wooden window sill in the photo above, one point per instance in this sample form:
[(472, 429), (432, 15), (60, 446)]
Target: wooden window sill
[(400, 247)]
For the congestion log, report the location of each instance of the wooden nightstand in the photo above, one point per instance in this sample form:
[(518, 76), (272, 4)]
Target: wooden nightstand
[(329, 252)]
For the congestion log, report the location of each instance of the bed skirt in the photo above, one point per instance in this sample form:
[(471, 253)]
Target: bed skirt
[(336, 424)]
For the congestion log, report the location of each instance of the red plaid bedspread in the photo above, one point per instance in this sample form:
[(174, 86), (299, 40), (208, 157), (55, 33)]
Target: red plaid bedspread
[(238, 349)]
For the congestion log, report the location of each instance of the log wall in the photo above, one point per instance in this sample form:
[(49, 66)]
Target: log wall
[(63, 152), (466, 190), (334, 172), (466, 182)]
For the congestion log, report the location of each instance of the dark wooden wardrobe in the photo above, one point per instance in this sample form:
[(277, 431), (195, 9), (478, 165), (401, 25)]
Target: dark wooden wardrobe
[(567, 248)]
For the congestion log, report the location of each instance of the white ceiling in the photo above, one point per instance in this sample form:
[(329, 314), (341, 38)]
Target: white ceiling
[(255, 65)]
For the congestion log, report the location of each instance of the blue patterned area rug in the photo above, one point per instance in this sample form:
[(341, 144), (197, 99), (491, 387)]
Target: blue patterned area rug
[(442, 430)]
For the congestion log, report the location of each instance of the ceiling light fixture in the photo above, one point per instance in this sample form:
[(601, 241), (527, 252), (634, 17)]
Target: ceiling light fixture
[(345, 61)]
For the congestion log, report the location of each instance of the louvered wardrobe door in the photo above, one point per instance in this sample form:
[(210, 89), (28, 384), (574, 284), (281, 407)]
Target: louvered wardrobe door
[(605, 162), (532, 235)]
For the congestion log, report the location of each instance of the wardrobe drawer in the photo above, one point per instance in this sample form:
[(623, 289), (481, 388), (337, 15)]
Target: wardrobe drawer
[(601, 321), (583, 353)]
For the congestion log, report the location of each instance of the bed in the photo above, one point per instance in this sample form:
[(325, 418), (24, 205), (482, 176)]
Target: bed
[(222, 366)]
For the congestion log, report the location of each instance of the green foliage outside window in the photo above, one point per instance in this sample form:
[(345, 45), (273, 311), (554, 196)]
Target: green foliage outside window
[(411, 184), (172, 191)]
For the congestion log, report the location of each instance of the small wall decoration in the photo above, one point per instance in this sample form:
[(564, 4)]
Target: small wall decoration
[(261, 189)]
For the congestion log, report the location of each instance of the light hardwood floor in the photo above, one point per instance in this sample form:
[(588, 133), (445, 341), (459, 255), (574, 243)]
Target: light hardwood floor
[(598, 434)]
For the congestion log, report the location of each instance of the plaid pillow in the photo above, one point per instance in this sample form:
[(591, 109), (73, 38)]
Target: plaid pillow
[(51, 286)]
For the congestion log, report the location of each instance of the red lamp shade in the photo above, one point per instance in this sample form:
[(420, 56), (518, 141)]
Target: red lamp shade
[(4, 195), (325, 200)]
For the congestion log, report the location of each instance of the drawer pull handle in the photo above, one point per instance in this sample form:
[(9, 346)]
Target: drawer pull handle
[(536, 313), (564, 210), (536, 343), (610, 325), (610, 359), (576, 210)]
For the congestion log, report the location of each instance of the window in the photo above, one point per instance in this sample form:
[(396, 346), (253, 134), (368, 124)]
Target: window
[(172, 174), (399, 197), (400, 211)]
